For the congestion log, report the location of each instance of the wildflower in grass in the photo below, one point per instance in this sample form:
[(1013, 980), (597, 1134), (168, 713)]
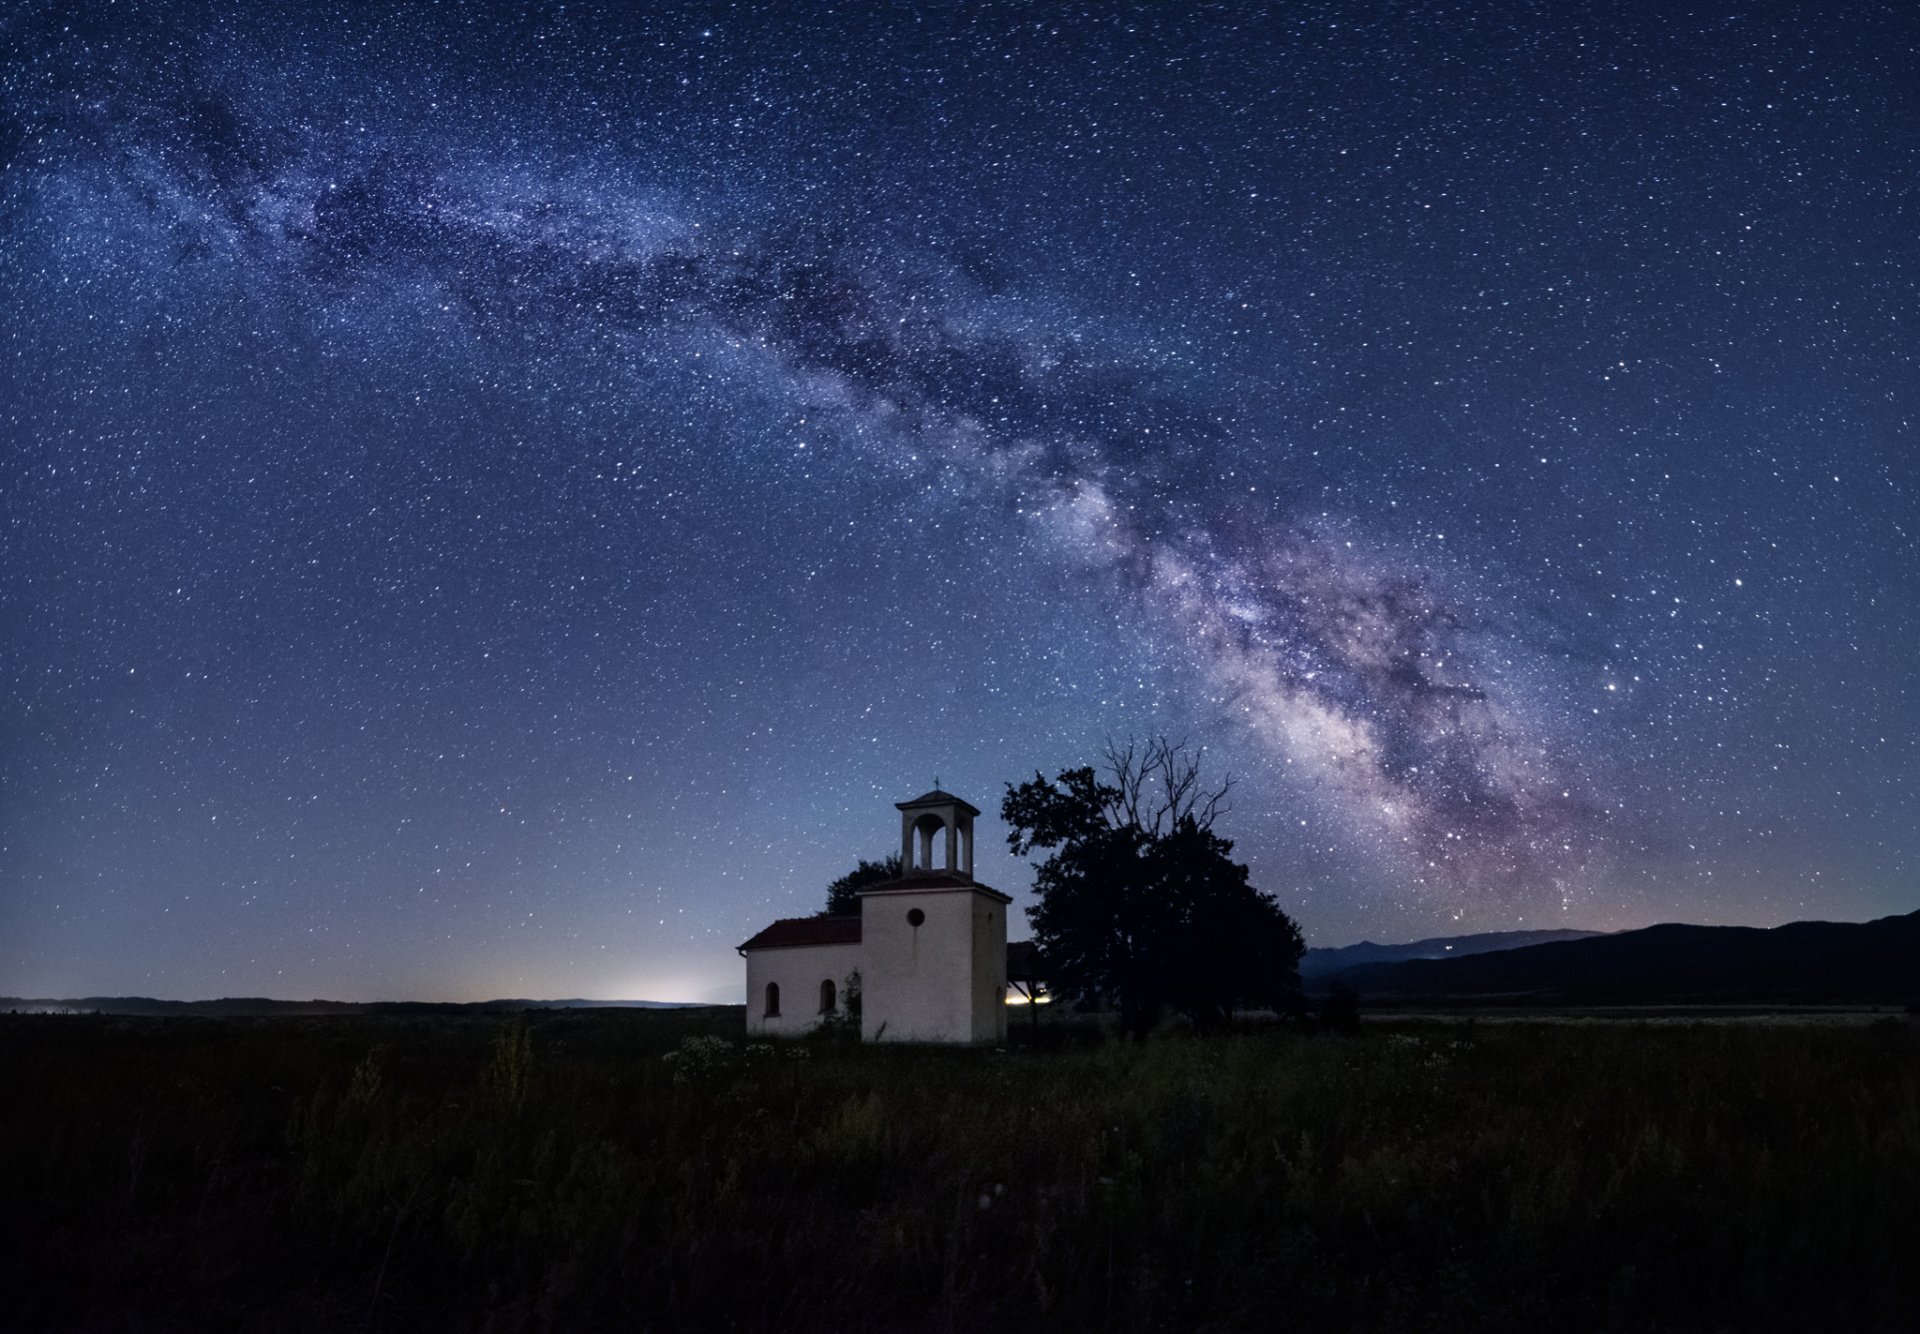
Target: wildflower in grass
[(699, 1058)]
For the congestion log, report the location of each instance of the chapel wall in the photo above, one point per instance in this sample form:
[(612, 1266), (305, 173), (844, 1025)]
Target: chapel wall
[(798, 970)]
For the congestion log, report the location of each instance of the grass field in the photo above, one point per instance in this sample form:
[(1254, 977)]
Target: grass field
[(583, 1170)]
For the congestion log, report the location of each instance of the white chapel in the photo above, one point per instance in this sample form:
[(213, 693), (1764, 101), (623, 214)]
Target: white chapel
[(930, 947)]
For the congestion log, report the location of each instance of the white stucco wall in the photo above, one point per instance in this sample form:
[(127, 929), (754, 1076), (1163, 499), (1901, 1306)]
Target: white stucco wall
[(990, 970), (930, 983), (799, 971)]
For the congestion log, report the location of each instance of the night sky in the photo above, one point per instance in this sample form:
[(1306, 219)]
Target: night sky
[(500, 501)]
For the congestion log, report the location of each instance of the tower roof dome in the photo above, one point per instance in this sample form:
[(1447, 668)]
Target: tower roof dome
[(937, 798)]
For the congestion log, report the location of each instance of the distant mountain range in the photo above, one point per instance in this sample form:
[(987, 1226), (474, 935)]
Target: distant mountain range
[(1802, 962), (1320, 963), (257, 1007)]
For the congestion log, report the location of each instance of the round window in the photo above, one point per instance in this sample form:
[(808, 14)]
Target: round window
[(915, 917)]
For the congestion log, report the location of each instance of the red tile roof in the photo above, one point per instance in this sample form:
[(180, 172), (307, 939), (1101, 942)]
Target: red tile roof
[(842, 929), (1023, 956)]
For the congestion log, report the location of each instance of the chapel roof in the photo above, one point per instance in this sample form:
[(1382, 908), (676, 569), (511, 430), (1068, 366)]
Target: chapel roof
[(824, 929), (913, 880), (1023, 956)]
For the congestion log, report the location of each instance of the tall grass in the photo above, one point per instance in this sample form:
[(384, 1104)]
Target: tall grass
[(643, 1170)]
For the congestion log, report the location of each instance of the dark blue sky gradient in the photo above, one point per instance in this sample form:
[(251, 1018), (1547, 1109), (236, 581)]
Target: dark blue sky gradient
[(500, 501)]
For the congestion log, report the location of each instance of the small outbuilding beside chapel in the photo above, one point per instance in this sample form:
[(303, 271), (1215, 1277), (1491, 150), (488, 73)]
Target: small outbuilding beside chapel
[(929, 949)]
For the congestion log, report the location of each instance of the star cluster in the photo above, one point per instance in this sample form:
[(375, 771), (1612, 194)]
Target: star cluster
[(501, 499)]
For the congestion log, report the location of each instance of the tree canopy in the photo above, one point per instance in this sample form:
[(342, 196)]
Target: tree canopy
[(1139, 899), (843, 895)]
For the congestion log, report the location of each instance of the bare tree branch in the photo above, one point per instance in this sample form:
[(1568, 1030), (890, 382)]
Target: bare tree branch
[(1157, 786), (1129, 777)]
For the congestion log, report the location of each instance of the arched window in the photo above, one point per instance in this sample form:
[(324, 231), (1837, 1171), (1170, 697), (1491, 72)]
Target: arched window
[(827, 997), (773, 1000)]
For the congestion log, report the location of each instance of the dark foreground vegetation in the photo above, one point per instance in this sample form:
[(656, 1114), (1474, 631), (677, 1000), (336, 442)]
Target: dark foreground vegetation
[(559, 1171)]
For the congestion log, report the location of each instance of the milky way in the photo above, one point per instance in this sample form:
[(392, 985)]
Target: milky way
[(656, 346)]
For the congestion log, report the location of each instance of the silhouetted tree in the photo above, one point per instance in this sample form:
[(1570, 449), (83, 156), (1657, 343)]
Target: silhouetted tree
[(1139, 898), (843, 895)]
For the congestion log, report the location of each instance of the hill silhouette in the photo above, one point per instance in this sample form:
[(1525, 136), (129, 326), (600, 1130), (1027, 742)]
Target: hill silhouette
[(1323, 962), (1802, 963), (262, 1007)]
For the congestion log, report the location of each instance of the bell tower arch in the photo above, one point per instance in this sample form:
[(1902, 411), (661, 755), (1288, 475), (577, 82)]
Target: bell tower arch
[(936, 835)]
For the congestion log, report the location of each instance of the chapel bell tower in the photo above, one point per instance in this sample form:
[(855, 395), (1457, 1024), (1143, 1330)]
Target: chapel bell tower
[(936, 836), (933, 942)]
